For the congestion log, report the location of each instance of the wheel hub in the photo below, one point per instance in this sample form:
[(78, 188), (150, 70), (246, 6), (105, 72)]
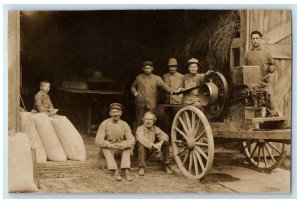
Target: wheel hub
[(191, 143)]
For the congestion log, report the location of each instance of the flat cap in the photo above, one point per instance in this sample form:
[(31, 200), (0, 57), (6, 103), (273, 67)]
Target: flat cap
[(147, 63), (116, 106), (193, 60)]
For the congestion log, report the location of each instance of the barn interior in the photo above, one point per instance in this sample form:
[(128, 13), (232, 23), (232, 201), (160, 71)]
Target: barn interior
[(110, 46)]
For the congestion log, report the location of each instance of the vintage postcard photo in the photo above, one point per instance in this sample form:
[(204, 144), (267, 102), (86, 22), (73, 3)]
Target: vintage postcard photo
[(150, 101)]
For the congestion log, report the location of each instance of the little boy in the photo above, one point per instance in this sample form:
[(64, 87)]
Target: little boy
[(42, 102)]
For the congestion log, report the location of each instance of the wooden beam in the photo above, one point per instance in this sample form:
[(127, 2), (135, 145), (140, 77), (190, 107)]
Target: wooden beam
[(279, 33), (13, 70)]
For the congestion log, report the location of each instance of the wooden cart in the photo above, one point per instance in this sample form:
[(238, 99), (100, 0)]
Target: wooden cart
[(193, 130)]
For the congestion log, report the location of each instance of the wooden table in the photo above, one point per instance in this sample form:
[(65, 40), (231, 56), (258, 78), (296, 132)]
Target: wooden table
[(94, 93)]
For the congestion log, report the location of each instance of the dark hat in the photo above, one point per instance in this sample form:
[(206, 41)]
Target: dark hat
[(193, 60), (116, 106), (147, 63), (172, 62)]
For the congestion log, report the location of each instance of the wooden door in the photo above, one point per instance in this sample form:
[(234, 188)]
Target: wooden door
[(275, 25)]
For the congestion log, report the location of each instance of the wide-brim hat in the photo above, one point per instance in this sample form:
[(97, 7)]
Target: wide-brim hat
[(193, 60), (172, 62), (116, 106), (147, 63)]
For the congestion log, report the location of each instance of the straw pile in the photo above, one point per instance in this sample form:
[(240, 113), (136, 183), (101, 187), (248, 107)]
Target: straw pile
[(221, 39), (211, 44)]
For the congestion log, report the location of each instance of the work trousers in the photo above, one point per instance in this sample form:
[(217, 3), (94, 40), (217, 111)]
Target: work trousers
[(110, 154), (272, 111), (144, 153)]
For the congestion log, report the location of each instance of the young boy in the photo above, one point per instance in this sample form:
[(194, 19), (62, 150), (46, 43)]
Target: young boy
[(42, 102)]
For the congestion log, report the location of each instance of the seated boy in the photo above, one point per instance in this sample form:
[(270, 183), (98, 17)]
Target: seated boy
[(42, 102)]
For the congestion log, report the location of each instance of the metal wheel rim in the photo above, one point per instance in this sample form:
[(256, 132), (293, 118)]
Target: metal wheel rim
[(194, 162), (263, 155)]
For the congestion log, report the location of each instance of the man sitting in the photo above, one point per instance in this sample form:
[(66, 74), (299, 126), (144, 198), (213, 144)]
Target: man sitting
[(114, 137), (150, 140)]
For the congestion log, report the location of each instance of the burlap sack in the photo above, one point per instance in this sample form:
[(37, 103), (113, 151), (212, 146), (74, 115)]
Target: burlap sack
[(69, 137), (20, 165), (49, 138), (28, 127)]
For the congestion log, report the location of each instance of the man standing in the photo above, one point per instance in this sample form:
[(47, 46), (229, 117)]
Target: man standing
[(145, 90), (174, 80), (114, 137), (151, 140), (257, 56)]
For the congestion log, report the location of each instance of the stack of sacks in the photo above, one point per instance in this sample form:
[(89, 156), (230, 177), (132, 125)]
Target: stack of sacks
[(52, 145), (20, 165), (69, 137), (28, 127)]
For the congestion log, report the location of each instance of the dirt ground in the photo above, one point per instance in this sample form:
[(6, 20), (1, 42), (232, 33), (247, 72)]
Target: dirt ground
[(229, 175)]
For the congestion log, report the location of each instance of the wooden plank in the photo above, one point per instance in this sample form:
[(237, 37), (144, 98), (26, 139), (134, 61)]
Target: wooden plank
[(275, 35), (14, 70), (282, 87), (258, 134), (280, 51)]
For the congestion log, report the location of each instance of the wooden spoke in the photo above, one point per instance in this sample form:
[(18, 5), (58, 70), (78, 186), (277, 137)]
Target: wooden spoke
[(254, 149), (201, 144), (193, 124), (188, 122), (182, 133), (185, 158), (183, 125), (199, 159), (195, 163), (258, 155), (181, 151), (189, 126), (200, 135), (201, 152), (265, 158), (270, 153), (273, 147), (191, 163), (196, 130)]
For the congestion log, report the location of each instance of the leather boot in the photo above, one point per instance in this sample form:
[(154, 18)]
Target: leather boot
[(117, 176), (168, 170), (141, 171), (127, 174)]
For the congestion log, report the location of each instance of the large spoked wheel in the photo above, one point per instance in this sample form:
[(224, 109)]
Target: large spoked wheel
[(263, 154), (192, 142)]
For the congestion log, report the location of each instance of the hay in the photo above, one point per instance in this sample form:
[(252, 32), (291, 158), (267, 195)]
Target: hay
[(211, 44), (221, 39)]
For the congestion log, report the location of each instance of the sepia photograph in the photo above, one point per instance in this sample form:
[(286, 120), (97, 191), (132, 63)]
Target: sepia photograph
[(150, 101)]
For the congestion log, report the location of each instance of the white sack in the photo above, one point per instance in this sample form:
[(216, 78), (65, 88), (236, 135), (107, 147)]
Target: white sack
[(49, 138), (69, 137), (28, 127), (20, 165)]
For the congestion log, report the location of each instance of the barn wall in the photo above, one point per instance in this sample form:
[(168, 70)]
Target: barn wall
[(14, 70), (276, 28)]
